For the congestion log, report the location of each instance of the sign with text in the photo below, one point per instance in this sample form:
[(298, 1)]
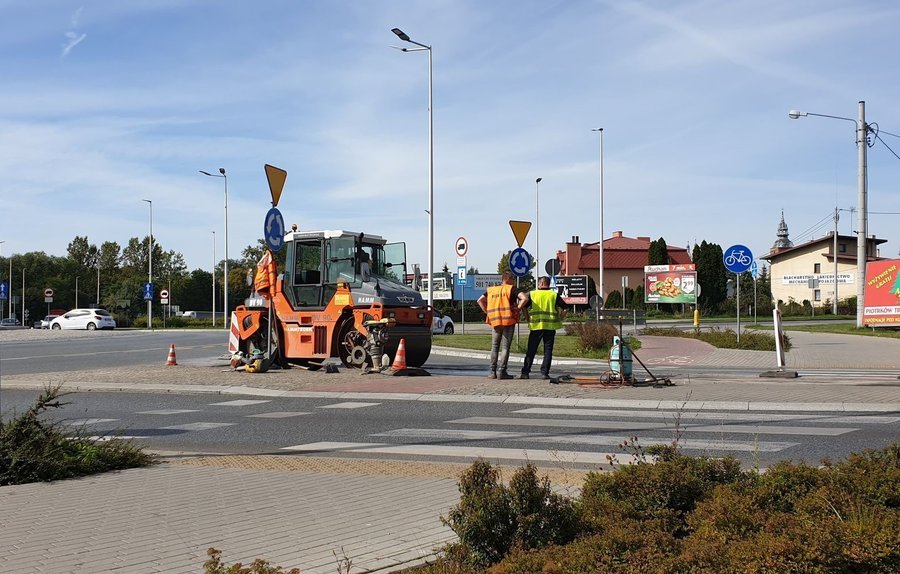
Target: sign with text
[(881, 304), (824, 279), (573, 289), (670, 284), (474, 285)]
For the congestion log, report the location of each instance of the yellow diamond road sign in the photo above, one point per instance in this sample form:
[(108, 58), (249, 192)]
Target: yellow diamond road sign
[(276, 177), (520, 229)]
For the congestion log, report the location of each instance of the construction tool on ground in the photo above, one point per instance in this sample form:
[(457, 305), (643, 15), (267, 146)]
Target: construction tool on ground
[(619, 372)]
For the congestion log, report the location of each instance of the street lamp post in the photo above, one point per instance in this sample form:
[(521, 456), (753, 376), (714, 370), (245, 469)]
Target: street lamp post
[(214, 279), (76, 291), (9, 288), (537, 229), (422, 47), (862, 129), (225, 271), (150, 265), (98, 283), (600, 244)]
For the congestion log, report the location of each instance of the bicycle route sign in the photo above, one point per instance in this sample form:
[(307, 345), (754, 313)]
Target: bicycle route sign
[(737, 258)]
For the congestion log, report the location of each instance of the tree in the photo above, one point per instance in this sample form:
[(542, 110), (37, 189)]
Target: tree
[(658, 254), (711, 276)]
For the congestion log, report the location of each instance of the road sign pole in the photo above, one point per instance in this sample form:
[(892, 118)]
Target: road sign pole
[(738, 302)]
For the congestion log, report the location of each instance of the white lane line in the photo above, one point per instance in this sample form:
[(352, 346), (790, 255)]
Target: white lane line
[(633, 426), (107, 438), (278, 415), (349, 405), (168, 412), (454, 434), (82, 422), (683, 443), (239, 403), (117, 352), (605, 440), (577, 457), (687, 416), (198, 426)]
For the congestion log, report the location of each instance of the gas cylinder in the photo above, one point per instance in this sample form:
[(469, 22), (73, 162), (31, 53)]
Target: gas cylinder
[(620, 360)]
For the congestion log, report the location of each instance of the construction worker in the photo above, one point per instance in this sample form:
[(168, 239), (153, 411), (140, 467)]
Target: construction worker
[(545, 312), (502, 304)]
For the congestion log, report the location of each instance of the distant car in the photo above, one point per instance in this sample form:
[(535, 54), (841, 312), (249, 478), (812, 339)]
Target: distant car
[(45, 322), (441, 324), (9, 322), (89, 319)]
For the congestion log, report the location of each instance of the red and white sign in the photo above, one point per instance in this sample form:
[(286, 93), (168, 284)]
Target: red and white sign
[(48, 292), (164, 294), (462, 247)]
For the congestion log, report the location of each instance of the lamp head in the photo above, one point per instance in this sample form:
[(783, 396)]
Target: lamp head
[(538, 180), (400, 34), (222, 170), (794, 114)]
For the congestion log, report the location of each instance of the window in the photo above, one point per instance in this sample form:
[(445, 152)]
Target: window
[(842, 248), (817, 268), (817, 294)]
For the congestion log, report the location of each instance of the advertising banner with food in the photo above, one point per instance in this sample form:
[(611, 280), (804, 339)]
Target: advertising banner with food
[(670, 284), (881, 304)]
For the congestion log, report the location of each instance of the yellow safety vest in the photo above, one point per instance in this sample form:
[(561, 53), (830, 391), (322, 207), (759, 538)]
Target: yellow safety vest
[(499, 311), (543, 313)]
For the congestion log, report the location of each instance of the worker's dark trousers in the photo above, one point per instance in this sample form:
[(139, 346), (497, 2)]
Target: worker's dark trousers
[(548, 336)]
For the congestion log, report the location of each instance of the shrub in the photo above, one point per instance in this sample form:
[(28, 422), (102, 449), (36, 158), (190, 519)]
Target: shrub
[(34, 450), (724, 338), (667, 491), (259, 566), (593, 336), (491, 518)]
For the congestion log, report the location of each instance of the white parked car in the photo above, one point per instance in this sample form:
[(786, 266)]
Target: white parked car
[(89, 319), (45, 322), (441, 324)]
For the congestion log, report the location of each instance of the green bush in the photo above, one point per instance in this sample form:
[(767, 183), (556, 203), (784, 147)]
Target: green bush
[(259, 566), (724, 338), (34, 450), (593, 336), (491, 518)]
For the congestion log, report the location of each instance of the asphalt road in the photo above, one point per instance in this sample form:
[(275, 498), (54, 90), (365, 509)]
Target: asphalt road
[(55, 351), (455, 431)]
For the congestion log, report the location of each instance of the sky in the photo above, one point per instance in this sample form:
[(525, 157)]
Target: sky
[(105, 104)]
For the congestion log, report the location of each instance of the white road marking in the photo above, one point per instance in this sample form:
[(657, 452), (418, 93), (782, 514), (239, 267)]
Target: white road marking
[(107, 438), (350, 405), (604, 440), (687, 416), (239, 403), (633, 426), (572, 457), (82, 422), (168, 412), (198, 426), (278, 415)]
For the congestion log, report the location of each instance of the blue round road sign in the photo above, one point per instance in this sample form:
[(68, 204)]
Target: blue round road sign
[(519, 262), (737, 258), (274, 230)]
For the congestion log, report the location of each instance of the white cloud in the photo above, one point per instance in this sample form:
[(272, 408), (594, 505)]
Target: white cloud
[(72, 40)]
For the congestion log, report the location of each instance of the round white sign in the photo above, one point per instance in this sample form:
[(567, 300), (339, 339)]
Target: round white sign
[(48, 292), (462, 246), (163, 294)]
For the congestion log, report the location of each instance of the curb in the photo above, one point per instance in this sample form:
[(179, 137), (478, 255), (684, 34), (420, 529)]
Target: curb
[(513, 358), (749, 406)]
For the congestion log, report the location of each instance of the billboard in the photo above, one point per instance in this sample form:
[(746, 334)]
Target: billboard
[(572, 288), (475, 286), (881, 303), (670, 284)]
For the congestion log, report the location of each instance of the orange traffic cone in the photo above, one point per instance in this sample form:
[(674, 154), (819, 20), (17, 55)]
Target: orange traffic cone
[(170, 361), (400, 358)]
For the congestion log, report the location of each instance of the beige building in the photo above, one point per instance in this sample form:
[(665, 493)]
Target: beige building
[(792, 267)]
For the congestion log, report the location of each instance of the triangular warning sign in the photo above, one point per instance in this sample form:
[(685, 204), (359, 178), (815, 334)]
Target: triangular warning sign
[(520, 229), (276, 177)]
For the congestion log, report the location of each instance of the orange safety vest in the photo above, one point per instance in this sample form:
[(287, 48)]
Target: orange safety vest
[(500, 313)]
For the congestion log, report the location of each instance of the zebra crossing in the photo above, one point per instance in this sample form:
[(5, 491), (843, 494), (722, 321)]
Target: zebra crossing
[(541, 433)]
